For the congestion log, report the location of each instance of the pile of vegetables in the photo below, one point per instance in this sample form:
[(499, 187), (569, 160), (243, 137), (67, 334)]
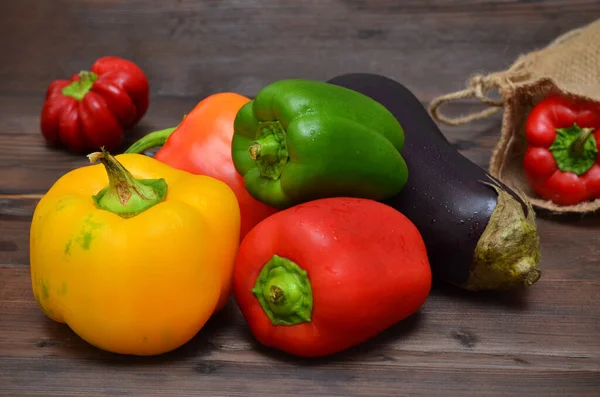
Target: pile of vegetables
[(325, 209)]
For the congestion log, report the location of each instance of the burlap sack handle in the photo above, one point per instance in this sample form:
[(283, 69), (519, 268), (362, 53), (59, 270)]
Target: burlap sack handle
[(479, 85)]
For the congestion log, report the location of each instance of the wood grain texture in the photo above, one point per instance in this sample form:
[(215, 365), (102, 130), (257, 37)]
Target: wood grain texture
[(191, 48), (541, 342), (486, 344)]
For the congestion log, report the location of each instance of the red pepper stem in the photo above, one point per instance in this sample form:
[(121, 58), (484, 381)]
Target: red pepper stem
[(578, 145), (574, 149), (79, 88), (284, 292), (151, 140)]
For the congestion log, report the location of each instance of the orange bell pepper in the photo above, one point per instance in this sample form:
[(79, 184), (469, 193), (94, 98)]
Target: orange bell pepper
[(201, 144)]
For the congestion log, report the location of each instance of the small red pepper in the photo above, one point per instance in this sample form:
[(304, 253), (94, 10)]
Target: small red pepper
[(93, 108), (561, 162), (328, 274)]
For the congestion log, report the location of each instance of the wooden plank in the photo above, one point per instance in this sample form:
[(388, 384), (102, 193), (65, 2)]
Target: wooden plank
[(46, 377), (14, 242), (191, 48), (457, 342)]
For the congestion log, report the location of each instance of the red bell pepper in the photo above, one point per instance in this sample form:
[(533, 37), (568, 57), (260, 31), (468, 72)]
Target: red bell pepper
[(329, 274), (93, 108), (561, 162), (201, 144)]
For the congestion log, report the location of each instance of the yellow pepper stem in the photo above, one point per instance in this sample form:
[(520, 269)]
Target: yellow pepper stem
[(126, 196)]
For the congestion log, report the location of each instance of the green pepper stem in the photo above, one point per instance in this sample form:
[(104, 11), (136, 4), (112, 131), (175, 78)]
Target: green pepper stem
[(151, 140), (79, 88), (126, 196), (577, 147), (284, 292), (255, 150), (269, 150)]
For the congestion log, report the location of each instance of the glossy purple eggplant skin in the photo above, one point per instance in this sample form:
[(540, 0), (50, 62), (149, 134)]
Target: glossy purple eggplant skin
[(444, 196)]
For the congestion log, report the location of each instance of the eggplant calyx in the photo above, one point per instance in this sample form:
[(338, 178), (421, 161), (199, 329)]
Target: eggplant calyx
[(508, 252)]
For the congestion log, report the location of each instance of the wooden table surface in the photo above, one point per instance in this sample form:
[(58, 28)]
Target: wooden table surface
[(544, 341)]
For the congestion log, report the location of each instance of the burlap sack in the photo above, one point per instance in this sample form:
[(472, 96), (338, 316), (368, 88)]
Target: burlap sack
[(570, 64)]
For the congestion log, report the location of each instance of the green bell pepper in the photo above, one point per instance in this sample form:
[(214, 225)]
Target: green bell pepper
[(300, 140)]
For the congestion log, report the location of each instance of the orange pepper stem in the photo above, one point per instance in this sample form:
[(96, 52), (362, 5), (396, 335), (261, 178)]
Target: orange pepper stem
[(151, 140), (125, 195)]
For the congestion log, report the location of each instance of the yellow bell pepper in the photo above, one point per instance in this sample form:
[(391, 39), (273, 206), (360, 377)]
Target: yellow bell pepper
[(134, 255)]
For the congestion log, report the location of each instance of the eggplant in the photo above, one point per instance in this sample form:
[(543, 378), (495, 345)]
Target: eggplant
[(479, 233)]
